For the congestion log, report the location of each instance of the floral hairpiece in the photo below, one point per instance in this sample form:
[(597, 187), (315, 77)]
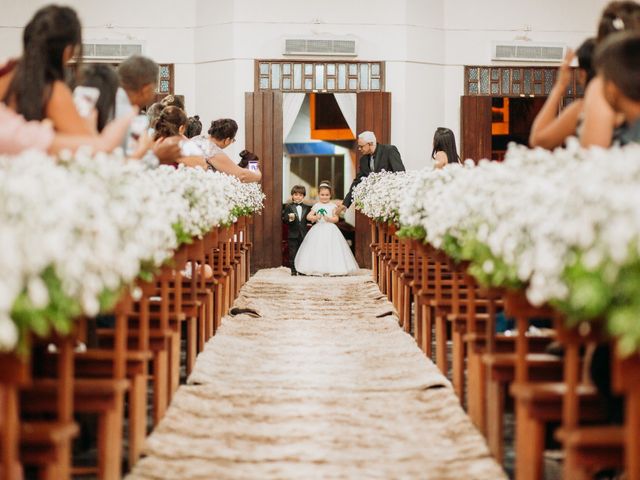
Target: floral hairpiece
[(618, 23)]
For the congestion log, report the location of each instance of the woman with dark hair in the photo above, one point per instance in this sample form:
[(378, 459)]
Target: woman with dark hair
[(34, 85), (548, 130), (171, 124), (105, 79), (586, 68), (600, 120), (245, 157), (444, 147), (194, 127), (222, 133), (618, 16)]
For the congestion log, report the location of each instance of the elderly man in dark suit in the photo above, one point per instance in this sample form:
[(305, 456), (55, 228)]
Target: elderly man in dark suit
[(376, 157)]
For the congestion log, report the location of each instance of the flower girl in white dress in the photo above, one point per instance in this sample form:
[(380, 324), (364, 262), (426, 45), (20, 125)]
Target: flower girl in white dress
[(324, 250)]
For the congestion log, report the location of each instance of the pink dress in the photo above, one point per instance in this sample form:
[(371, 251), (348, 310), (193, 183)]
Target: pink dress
[(17, 135)]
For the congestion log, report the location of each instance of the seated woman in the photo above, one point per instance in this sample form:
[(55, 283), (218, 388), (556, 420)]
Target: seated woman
[(104, 79), (222, 134), (548, 130), (32, 89), (171, 124), (444, 148), (194, 127), (245, 157), (600, 120), (33, 86)]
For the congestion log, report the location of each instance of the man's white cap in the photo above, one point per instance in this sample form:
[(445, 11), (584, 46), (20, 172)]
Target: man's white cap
[(368, 137)]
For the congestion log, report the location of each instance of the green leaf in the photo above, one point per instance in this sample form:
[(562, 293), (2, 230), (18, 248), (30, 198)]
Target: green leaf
[(414, 232)]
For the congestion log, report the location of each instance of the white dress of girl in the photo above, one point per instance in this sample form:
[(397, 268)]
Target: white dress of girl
[(324, 250)]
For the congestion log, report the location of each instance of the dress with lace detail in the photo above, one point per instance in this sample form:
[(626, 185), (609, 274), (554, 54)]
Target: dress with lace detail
[(208, 147)]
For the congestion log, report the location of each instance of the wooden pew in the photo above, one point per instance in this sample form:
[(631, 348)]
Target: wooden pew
[(626, 380), (542, 403), (528, 431), (481, 307), (424, 295), (14, 374), (587, 448), (385, 257), (45, 442), (445, 295), (406, 274), (146, 333), (98, 388), (375, 249), (140, 355)]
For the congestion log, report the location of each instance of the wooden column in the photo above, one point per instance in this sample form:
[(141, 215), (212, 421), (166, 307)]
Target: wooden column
[(374, 114), (263, 136)]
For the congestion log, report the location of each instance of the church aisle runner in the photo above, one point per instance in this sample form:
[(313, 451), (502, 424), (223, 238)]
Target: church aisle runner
[(313, 378)]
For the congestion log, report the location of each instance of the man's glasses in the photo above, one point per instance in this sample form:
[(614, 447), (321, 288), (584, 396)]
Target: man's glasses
[(361, 147)]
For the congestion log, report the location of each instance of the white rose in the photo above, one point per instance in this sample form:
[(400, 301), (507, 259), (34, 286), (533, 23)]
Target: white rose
[(8, 333), (38, 292)]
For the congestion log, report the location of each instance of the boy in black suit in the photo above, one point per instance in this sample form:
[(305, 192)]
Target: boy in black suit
[(294, 214)]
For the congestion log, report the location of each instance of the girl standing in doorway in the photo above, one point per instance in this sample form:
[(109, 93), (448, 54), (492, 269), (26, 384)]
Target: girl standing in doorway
[(324, 250)]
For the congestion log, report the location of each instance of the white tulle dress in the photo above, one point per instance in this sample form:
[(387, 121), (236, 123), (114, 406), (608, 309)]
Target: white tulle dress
[(324, 250)]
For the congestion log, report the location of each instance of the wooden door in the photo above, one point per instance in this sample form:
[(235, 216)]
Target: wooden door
[(374, 114), (475, 125), (263, 136)]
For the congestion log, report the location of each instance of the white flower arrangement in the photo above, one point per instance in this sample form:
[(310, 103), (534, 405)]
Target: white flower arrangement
[(379, 195), (246, 198), (75, 233), (565, 225)]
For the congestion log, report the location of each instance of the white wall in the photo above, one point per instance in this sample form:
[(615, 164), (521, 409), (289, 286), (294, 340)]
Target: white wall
[(425, 44), (407, 35), (165, 29)]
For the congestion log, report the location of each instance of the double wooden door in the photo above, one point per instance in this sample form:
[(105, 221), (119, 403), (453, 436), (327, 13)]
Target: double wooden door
[(264, 137), (475, 126)]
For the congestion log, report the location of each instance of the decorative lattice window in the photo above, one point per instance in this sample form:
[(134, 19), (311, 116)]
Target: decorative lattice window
[(307, 76), (515, 81), (166, 79)]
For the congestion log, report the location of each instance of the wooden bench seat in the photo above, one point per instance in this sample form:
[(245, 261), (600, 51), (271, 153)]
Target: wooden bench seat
[(538, 404), (45, 446), (589, 449), (501, 371), (103, 397), (90, 394)]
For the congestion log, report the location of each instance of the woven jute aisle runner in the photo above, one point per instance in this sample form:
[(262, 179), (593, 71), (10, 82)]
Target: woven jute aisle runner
[(313, 378)]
